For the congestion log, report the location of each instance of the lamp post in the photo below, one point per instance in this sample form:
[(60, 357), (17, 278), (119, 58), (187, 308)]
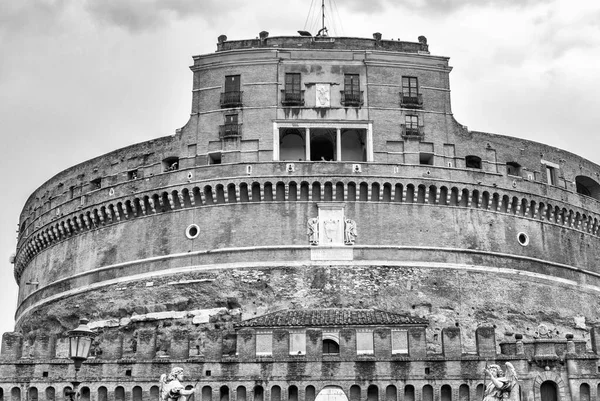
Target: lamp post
[(80, 341)]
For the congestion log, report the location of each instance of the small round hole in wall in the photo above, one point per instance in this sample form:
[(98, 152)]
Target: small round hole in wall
[(192, 231), (523, 239)]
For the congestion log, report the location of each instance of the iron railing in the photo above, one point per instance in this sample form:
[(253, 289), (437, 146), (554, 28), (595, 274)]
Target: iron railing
[(415, 101), (352, 99), (292, 98), (231, 99), (412, 131), (228, 131)]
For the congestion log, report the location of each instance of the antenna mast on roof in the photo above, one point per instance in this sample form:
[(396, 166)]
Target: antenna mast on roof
[(323, 30)]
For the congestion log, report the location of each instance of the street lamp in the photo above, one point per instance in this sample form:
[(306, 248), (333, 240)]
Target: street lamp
[(80, 341)]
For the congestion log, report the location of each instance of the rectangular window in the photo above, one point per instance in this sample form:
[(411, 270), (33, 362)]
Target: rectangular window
[(411, 125), (231, 119), (550, 175), (232, 83), (399, 342), (351, 95), (292, 83), (297, 342), (409, 87), (364, 342), (264, 343)]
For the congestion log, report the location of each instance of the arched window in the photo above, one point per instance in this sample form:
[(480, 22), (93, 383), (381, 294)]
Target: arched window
[(119, 394), (446, 393), (275, 393), (479, 392), (240, 394), (154, 393), (409, 393), (584, 392), (206, 393), (373, 393), (293, 393), (84, 394), (355, 393), (587, 186), (391, 393), (259, 393), (548, 391), (330, 347), (427, 393), (103, 393), (463, 393), (473, 161), (136, 393), (310, 393), (224, 393), (33, 394)]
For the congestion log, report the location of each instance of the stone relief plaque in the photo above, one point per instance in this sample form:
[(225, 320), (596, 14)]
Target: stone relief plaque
[(323, 95)]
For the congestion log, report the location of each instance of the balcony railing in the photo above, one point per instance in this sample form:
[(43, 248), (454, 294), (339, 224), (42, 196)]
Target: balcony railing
[(231, 99), (413, 102), (352, 99), (229, 131), (289, 98), (412, 131)]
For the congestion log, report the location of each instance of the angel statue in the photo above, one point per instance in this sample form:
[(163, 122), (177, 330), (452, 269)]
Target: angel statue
[(502, 387), (312, 229), (171, 388)]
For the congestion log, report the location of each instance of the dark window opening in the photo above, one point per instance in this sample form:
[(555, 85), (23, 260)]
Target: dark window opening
[(513, 168), (426, 159), (587, 186), (44, 374), (351, 95), (550, 175), (232, 97), (330, 347), (128, 372), (292, 93), (170, 164), (292, 144), (96, 184), (411, 126), (410, 97), (132, 175), (473, 162), (208, 373), (322, 144), (214, 158)]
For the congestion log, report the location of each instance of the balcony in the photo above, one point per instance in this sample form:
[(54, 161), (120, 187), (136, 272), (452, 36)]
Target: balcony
[(412, 132), (231, 99), (411, 102), (351, 99), (289, 98), (230, 131)]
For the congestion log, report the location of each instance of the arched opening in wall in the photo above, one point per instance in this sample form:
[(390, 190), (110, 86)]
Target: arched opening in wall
[(364, 192), (268, 192), (353, 145), (398, 190), (355, 393), (197, 196), (387, 192), (292, 145), (432, 194), (102, 393), (316, 192), (84, 394), (504, 204), (443, 196), (258, 393), (464, 198), (330, 347), (391, 394), (154, 393), (410, 193), (51, 394), (421, 194), (446, 393), (584, 392), (513, 168), (174, 196), (523, 207), (187, 201), (32, 394), (485, 200), (427, 393), (454, 196), (409, 393), (532, 208), (1, 394), (224, 393), (275, 393), (231, 193), (310, 393), (375, 192), (475, 199), (304, 191), (66, 391), (328, 195), (206, 393), (373, 393), (587, 186), (208, 195), (170, 163), (15, 394), (548, 391), (292, 393), (479, 392), (339, 192), (351, 192), (220, 194), (240, 393), (244, 195), (322, 144), (472, 161), (331, 393), (256, 192), (426, 159), (293, 192), (119, 394), (463, 393), (495, 201), (136, 394), (280, 192)]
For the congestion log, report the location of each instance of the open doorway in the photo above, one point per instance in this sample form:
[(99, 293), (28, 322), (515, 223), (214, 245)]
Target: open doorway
[(292, 144), (322, 144), (353, 145)]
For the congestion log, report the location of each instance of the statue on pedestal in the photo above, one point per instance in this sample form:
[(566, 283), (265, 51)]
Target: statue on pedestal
[(171, 388)]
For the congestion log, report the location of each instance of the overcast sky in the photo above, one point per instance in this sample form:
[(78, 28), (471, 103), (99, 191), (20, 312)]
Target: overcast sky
[(79, 78)]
